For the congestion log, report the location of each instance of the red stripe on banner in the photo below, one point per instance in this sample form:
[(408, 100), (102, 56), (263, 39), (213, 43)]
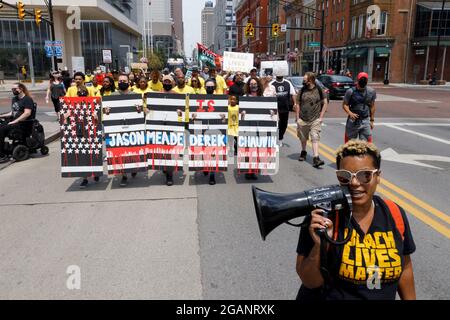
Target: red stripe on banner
[(256, 156), (166, 151), (119, 156), (210, 154)]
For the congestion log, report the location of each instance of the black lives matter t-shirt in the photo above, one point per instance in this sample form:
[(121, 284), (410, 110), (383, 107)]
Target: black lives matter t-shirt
[(18, 106), (369, 265)]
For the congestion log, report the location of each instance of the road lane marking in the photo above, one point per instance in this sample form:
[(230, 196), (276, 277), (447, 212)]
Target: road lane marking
[(328, 153), (426, 136)]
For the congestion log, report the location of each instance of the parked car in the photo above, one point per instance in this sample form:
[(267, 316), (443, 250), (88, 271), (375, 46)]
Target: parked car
[(337, 84), (298, 84)]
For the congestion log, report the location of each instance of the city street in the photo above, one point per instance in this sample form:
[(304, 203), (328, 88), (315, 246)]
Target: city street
[(196, 241)]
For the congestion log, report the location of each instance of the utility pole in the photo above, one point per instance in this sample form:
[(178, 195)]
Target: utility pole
[(436, 56), (30, 60)]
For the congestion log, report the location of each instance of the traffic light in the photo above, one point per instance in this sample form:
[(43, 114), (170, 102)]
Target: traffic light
[(38, 16), (21, 10), (249, 30), (275, 30)]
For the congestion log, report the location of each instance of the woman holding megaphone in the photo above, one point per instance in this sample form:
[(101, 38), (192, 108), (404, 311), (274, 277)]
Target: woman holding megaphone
[(375, 263)]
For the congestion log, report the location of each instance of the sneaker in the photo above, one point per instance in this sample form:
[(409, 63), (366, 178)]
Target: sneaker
[(254, 176), (302, 156), (248, 176), (169, 180), (205, 173), (212, 180), (84, 184), (133, 175), (96, 178), (317, 162), (280, 143), (124, 181)]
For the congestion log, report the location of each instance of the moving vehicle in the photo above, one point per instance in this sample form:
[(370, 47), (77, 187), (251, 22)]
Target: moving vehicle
[(337, 84)]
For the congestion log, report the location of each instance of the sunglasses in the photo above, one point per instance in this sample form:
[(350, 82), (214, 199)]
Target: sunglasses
[(363, 176)]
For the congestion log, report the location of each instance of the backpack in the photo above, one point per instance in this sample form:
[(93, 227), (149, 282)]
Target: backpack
[(307, 295), (362, 109), (302, 90)]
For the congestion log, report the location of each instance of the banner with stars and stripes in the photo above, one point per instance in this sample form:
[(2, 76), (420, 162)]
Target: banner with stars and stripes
[(125, 133), (165, 131), (81, 137), (208, 133), (258, 134)]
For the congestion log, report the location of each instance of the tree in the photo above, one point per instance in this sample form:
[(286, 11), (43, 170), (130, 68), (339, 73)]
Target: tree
[(155, 62)]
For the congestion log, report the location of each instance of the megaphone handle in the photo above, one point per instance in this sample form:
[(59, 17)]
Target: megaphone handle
[(322, 232)]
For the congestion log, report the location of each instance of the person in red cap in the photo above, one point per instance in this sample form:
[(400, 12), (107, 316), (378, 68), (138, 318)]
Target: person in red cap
[(359, 104)]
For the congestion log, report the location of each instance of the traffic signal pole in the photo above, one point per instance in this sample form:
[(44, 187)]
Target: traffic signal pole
[(52, 33), (321, 41)]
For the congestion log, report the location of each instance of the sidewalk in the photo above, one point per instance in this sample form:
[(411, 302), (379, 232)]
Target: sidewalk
[(52, 131), (410, 86), (39, 86)]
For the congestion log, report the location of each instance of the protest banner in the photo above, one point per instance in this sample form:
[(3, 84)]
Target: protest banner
[(208, 133), (237, 61), (81, 137), (125, 133), (280, 68), (258, 134), (165, 131)]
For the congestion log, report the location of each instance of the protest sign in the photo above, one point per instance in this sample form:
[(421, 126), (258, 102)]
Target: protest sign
[(237, 61), (125, 133), (81, 137), (208, 133), (258, 133), (165, 131)]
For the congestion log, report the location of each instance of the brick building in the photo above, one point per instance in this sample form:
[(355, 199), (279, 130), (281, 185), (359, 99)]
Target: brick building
[(255, 12), (423, 54)]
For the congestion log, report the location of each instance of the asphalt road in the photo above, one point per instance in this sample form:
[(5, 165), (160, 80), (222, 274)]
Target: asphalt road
[(196, 241)]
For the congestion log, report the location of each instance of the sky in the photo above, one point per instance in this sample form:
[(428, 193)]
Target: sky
[(192, 14)]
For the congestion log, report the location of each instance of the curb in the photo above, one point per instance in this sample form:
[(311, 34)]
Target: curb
[(50, 138)]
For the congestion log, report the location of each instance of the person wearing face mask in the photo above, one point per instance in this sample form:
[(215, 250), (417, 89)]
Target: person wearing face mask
[(312, 106), (237, 88), (22, 108), (167, 81), (375, 264), (182, 87), (124, 89), (285, 92), (210, 86), (359, 104)]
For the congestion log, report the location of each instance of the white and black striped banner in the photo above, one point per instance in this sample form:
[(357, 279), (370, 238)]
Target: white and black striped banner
[(258, 134), (125, 133), (81, 137), (208, 133), (166, 131)]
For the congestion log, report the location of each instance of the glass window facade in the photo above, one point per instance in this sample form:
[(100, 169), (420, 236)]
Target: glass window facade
[(427, 22), (95, 36), (14, 35)]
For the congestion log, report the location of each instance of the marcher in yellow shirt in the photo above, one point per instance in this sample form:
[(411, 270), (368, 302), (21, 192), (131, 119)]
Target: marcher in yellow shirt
[(142, 86), (108, 86), (196, 74), (182, 87), (233, 121), (96, 86), (154, 84), (197, 86), (221, 86), (80, 90)]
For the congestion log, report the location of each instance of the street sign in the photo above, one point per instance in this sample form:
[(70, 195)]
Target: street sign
[(107, 56), (53, 49), (420, 52), (283, 27), (313, 44)]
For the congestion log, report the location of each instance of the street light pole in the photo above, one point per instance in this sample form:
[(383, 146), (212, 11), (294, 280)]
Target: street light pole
[(52, 31)]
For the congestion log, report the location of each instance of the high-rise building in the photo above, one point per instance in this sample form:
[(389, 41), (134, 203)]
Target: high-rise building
[(225, 31), (178, 26), (208, 24), (109, 26)]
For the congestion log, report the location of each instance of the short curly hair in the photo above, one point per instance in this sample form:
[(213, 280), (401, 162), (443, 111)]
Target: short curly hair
[(358, 148)]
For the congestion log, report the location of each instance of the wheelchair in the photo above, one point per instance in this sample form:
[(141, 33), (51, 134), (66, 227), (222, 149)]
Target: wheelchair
[(25, 139)]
